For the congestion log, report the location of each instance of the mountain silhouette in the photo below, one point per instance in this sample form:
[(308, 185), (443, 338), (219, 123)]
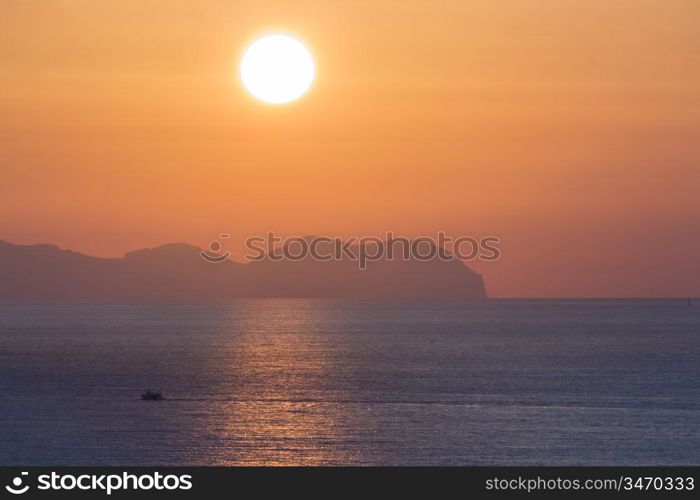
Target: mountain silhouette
[(177, 271)]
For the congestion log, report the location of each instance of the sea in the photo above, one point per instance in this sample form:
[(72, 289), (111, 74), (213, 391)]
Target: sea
[(329, 382)]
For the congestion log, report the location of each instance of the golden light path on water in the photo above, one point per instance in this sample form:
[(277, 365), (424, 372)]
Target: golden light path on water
[(276, 405)]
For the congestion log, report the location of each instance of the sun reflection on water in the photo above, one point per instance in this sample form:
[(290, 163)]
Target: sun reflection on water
[(276, 402)]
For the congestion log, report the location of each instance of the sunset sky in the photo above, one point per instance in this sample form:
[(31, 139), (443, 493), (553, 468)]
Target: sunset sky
[(569, 128)]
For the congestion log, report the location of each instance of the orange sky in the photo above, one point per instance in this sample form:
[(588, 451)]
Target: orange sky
[(571, 129)]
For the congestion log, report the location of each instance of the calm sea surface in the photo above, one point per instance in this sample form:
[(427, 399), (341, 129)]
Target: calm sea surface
[(508, 382)]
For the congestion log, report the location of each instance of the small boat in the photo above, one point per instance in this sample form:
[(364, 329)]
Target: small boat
[(150, 395)]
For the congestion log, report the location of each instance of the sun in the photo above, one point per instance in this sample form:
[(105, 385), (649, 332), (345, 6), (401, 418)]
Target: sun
[(277, 69)]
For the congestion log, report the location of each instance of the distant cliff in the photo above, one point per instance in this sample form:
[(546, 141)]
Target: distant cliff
[(176, 271)]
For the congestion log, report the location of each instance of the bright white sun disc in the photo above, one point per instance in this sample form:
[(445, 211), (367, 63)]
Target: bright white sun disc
[(277, 69)]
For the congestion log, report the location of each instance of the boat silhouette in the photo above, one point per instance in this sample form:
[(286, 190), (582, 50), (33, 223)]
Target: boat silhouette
[(150, 395)]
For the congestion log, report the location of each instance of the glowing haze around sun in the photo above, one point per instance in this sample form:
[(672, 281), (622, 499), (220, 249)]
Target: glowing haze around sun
[(277, 69)]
